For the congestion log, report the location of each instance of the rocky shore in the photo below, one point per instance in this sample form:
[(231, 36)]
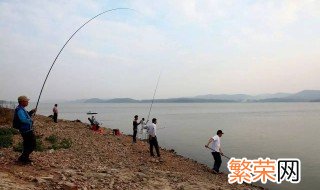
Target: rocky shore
[(102, 161)]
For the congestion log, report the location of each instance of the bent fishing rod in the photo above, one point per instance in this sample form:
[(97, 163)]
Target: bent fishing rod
[(221, 154), (154, 94), (68, 42)]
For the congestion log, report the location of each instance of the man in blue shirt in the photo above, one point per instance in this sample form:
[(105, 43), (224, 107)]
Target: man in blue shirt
[(22, 120)]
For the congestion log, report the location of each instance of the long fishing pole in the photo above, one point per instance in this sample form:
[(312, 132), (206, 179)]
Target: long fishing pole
[(68, 42), (154, 94), (222, 154)]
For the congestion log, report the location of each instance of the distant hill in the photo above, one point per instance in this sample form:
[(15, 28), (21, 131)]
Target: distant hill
[(306, 95), (122, 100), (303, 96), (170, 100), (243, 97), (278, 100), (77, 101), (233, 97), (115, 100), (269, 96), (186, 100), (94, 100)]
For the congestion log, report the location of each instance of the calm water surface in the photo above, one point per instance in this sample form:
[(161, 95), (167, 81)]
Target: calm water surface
[(252, 130)]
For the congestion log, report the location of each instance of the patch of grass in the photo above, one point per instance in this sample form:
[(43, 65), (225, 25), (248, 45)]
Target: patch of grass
[(39, 145), (57, 144), (6, 141), (8, 131), (6, 137), (54, 146), (52, 139), (18, 147), (65, 143)]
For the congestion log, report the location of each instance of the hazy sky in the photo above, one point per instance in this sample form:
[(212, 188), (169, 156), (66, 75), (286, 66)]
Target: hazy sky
[(202, 47)]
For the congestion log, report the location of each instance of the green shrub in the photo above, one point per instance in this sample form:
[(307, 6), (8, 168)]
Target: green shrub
[(18, 147), (52, 139), (14, 131), (65, 143), (8, 131), (54, 146), (6, 140), (6, 137), (39, 145)]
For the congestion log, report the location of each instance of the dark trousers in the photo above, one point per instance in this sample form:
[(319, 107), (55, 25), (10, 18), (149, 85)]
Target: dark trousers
[(134, 136), (55, 117), (217, 161), (29, 144), (154, 143)]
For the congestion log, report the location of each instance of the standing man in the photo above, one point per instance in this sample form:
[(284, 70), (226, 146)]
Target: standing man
[(152, 130), (55, 113), (135, 128), (22, 120), (143, 129), (216, 151)]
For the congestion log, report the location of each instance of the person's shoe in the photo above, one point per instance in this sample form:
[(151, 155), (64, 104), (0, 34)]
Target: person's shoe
[(214, 172), (29, 160), (23, 162)]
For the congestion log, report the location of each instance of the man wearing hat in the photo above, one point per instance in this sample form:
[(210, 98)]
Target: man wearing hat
[(216, 151), (22, 120)]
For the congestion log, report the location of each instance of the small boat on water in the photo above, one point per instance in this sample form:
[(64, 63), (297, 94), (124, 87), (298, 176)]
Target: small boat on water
[(91, 113)]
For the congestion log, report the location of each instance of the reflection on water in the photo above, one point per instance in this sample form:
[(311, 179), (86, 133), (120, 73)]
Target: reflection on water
[(252, 130)]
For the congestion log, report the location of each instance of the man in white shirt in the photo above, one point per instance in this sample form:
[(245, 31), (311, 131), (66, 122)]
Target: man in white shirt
[(55, 113), (152, 131), (216, 151), (143, 129)]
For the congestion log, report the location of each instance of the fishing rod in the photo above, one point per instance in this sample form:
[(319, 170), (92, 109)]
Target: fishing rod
[(68, 42), (154, 94), (221, 154)]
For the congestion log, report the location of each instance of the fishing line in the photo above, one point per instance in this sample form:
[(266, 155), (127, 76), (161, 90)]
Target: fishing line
[(68, 42), (154, 94)]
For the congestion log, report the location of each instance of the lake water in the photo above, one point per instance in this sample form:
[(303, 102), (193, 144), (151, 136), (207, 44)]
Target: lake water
[(252, 130)]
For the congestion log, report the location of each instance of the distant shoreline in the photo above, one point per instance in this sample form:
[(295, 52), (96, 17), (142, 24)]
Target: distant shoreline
[(302, 96)]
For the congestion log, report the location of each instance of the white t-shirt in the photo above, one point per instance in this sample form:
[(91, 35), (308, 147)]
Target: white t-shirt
[(216, 143), (143, 124), (55, 109), (152, 129)]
